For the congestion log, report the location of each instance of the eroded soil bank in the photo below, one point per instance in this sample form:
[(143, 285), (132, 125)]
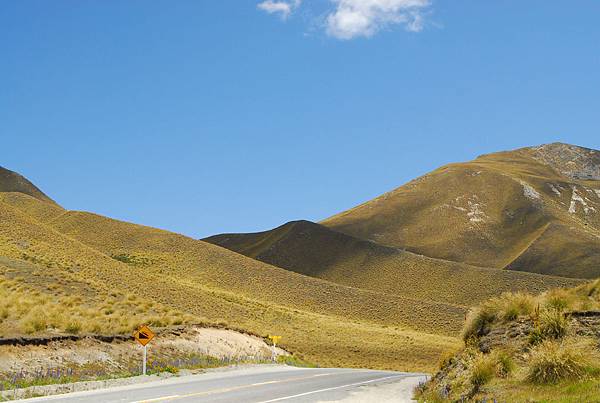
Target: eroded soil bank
[(30, 362)]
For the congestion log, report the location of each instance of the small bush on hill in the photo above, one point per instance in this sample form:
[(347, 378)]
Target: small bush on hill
[(478, 320), (515, 305), (559, 299), (504, 364), (483, 370), (447, 357), (73, 327), (553, 324), (34, 321), (553, 361), (507, 307)]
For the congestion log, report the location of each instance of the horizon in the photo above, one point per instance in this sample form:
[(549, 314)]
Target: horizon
[(294, 220), (205, 118)]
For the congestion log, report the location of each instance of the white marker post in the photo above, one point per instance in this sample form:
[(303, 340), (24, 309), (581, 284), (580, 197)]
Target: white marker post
[(145, 356), (274, 339)]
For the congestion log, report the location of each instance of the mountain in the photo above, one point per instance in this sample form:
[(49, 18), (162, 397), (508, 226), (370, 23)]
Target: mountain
[(13, 182), (387, 284), (65, 272), (533, 209), (317, 251)]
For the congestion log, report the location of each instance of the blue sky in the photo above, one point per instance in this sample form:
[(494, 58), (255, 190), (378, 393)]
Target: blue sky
[(204, 117)]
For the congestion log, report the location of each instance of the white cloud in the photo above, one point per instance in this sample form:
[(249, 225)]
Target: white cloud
[(284, 8), (353, 18), (349, 19)]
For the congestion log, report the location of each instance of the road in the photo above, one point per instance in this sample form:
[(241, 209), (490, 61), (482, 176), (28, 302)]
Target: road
[(260, 385)]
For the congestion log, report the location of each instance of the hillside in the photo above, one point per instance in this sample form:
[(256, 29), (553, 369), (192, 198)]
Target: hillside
[(70, 272), (523, 210), (318, 251), (13, 182), (388, 283), (525, 348)]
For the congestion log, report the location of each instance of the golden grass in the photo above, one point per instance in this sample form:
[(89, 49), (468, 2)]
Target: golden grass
[(570, 359), (25, 309), (554, 359), (326, 323), (507, 307), (330, 312)]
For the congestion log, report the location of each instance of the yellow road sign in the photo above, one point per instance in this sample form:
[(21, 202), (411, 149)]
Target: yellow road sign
[(143, 335), (275, 339)]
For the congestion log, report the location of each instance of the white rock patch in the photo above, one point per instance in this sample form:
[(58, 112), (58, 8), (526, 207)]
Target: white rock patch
[(555, 189), (529, 191), (475, 213), (575, 197), (473, 208)]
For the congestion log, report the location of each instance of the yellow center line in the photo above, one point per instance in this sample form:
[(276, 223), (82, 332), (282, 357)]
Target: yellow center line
[(231, 389)]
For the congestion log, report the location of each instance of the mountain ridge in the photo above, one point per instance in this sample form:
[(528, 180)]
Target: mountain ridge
[(494, 205), (11, 181)]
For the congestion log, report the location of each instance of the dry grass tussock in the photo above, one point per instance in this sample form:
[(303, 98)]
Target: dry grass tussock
[(507, 307), (24, 310), (553, 361)]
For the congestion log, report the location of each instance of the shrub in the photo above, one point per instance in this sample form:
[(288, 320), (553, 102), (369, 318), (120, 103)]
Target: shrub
[(483, 370), (74, 327), (170, 369), (515, 305), (504, 364), (558, 299), (478, 320), (446, 358), (536, 336), (553, 361), (553, 324), (34, 321)]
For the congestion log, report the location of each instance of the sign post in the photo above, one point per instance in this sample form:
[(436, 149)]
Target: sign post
[(145, 360), (275, 340), (144, 335)]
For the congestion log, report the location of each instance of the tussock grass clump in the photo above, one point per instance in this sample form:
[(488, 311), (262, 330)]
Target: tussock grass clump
[(559, 299), (516, 304), (505, 364), (485, 367), (507, 307), (478, 320), (553, 361), (34, 321), (483, 370), (447, 357), (552, 324)]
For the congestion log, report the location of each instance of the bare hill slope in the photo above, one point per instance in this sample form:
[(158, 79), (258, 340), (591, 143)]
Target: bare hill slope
[(318, 251), (499, 210)]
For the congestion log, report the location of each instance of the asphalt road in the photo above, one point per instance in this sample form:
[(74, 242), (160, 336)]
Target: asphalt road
[(257, 385)]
